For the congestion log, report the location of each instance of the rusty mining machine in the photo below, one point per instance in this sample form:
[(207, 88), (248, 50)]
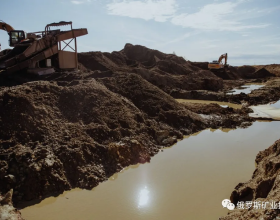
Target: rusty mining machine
[(40, 52)]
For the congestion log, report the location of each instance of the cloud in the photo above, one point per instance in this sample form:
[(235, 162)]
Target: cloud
[(77, 2), (215, 16), (158, 10), (80, 2)]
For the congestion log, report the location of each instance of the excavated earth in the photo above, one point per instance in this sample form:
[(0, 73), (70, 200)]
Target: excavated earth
[(76, 129)]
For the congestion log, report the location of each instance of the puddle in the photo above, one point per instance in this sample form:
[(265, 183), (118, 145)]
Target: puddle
[(266, 111), (247, 89), (222, 104), (276, 104), (186, 181)]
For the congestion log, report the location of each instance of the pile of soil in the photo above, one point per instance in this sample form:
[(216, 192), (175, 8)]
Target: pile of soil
[(197, 95), (218, 116), (76, 129), (166, 71), (64, 134), (201, 65), (242, 72), (262, 187), (251, 72), (272, 68)]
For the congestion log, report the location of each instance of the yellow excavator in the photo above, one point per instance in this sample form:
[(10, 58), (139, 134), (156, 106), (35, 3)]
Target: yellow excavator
[(15, 36), (218, 64)]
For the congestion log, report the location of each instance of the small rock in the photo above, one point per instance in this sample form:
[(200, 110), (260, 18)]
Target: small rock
[(169, 141), (10, 178)]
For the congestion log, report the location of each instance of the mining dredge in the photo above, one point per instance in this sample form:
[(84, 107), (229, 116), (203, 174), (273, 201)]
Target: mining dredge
[(40, 52)]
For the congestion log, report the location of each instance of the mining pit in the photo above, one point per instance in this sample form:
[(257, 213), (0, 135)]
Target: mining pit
[(66, 136)]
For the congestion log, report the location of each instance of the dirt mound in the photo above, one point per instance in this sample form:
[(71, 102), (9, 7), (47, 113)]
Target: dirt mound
[(272, 68), (241, 72), (201, 65), (65, 134), (167, 71), (249, 72), (262, 73), (262, 188), (147, 57), (218, 116), (151, 100), (245, 70)]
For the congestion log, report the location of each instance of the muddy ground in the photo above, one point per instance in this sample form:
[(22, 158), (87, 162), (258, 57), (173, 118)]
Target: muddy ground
[(76, 129)]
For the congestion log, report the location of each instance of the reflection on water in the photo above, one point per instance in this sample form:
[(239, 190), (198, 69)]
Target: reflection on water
[(143, 197), (276, 104), (223, 104), (226, 130), (245, 89), (266, 111), (186, 181)]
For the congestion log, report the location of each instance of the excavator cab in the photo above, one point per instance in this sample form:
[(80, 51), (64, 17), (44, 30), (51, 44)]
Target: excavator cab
[(16, 36)]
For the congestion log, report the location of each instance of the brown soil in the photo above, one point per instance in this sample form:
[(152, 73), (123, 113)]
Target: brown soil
[(76, 129), (273, 68), (166, 71), (269, 93), (243, 72), (60, 137), (217, 116)]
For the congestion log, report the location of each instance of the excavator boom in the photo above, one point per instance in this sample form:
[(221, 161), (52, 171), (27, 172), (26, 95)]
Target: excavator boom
[(223, 56), (6, 27), (15, 36)]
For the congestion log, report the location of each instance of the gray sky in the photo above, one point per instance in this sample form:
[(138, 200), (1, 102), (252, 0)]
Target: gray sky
[(248, 30)]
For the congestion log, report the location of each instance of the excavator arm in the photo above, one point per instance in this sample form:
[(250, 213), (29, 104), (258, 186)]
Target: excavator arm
[(6, 27), (223, 56)]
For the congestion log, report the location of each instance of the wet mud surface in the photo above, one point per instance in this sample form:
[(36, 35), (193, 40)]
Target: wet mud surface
[(175, 184), (76, 129)]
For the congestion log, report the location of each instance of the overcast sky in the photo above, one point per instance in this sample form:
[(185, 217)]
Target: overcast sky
[(200, 30)]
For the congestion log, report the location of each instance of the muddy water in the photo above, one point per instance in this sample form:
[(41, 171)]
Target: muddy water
[(223, 104), (247, 88), (186, 181), (266, 111)]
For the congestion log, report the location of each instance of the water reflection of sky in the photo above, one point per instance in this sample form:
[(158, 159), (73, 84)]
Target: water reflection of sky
[(174, 184), (143, 199), (246, 89), (276, 104)]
